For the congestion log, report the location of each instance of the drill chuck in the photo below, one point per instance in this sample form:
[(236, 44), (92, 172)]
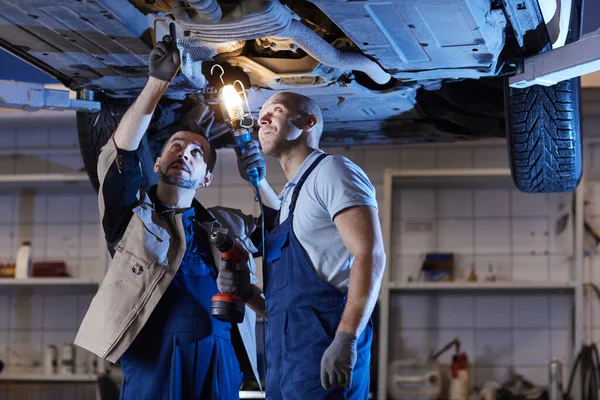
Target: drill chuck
[(222, 242)]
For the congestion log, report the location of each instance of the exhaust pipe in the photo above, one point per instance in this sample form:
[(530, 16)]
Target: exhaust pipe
[(197, 11), (320, 50), (270, 19)]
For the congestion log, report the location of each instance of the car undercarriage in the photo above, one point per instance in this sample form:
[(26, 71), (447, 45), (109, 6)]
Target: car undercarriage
[(394, 72)]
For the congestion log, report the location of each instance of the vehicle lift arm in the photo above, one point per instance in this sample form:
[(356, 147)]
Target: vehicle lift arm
[(35, 96), (574, 59)]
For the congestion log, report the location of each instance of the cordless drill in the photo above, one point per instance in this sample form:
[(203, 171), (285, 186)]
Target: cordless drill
[(228, 307)]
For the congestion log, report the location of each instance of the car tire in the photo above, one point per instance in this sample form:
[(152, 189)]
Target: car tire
[(95, 129), (544, 137)]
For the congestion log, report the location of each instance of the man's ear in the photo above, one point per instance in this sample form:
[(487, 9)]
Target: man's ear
[(156, 164), (311, 121), (207, 179)]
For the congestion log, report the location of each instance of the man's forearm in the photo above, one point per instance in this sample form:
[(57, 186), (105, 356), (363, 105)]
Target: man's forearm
[(363, 289), (270, 198), (257, 303), (136, 120)]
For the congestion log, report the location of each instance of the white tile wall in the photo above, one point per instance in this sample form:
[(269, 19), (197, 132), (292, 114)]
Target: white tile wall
[(492, 203), (530, 311), (493, 347), (418, 157), (493, 311), (455, 203), (511, 231)]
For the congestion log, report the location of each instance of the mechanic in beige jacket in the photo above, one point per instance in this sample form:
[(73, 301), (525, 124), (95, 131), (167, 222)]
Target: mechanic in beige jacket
[(152, 311)]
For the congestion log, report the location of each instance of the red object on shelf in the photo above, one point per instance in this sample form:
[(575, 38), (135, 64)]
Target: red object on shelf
[(49, 268)]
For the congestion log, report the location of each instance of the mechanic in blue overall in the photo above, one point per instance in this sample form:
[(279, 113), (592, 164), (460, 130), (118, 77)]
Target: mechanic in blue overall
[(324, 262), (180, 351)]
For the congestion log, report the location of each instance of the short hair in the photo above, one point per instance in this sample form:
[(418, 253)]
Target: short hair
[(304, 104), (210, 165)]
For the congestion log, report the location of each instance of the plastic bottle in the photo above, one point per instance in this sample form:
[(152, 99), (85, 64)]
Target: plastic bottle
[(555, 380), (67, 362), (23, 262), (50, 359)]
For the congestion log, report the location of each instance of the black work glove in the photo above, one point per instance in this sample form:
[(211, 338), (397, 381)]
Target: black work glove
[(251, 158), (164, 58), (338, 361), (237, 282)]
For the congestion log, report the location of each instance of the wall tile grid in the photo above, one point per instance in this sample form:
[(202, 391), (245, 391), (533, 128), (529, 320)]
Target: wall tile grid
[(513, 232)]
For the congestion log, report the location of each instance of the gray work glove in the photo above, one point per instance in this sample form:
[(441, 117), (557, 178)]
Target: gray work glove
[(237, 282), (165, 58), (251, 158), (338, 361)]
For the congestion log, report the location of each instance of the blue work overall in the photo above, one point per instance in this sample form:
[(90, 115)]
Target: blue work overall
[(304, 311), (182, 352)]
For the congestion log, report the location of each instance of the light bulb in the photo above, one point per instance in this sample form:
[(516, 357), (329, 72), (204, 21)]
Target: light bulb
[(231, 97), (234, 107), (231, 103)]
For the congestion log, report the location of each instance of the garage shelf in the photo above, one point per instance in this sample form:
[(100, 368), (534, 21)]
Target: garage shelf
[(400, 174), (47, 282), (89, 378), (467, 179), (75, 378), (22, 179), (441, 177), (461, 286), (251, 394)]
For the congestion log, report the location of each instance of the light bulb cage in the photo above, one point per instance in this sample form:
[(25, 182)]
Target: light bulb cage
[(242, 113)]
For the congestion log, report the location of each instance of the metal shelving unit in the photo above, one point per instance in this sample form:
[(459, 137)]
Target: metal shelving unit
[(59, 378), (88, 379), (462, 286), (467, 178), (47, 282), (449, 174), (25, 179), (75, 179), (251, 394)]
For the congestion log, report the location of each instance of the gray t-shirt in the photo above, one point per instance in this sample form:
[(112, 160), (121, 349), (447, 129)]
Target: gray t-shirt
[(334, 185)]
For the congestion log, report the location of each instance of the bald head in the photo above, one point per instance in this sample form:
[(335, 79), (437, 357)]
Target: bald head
[(305, 107)]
